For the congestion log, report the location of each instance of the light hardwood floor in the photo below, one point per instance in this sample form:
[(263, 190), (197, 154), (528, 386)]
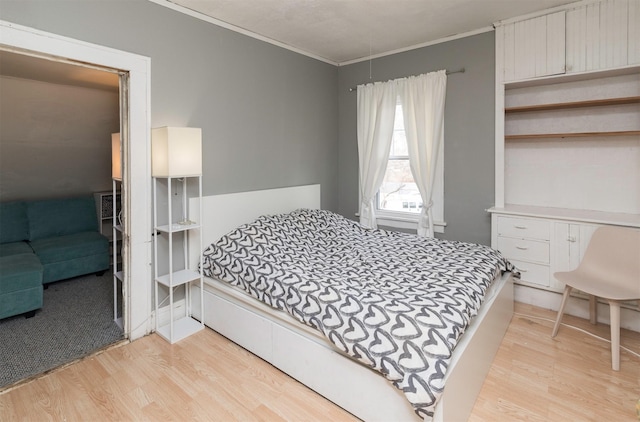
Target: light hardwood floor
[(206, 377)]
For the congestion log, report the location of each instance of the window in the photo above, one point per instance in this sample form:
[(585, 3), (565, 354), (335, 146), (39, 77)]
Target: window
[(398, 201)]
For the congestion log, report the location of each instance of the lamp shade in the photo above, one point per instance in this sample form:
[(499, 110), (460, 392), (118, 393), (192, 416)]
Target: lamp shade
[(176, 152), (116, 157)]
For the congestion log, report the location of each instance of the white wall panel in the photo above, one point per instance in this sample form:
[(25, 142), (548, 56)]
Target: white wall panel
[(606, 34), (508, 35), (576, 45), (592, 37), (523, 46), (613, 37), (599, 174), (555, 43), (539, 27), (633, 36)]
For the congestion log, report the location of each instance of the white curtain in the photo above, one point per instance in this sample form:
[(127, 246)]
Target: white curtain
[(376, 113), (422, 98)]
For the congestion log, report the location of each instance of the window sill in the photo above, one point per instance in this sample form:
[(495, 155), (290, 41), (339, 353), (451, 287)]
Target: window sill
[(406, 222)]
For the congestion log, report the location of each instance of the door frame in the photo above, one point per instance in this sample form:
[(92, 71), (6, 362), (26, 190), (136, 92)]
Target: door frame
[(137, 281)]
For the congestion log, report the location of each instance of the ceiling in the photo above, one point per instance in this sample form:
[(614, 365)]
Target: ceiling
[(343, 31), (335, 31), (40, 69)]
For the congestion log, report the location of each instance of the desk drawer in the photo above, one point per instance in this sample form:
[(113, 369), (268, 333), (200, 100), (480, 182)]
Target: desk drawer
[(524, 228), (533, 273), (524, 249)]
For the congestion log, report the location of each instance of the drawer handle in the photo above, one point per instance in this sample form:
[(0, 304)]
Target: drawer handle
[(520, 227), (522, 248), (571, 239)]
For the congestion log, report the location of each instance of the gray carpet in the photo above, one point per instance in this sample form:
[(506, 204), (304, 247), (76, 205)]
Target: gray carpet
[(75, 320)]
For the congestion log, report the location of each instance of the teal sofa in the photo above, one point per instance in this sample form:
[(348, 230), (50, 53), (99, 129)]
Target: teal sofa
[(46, 241)]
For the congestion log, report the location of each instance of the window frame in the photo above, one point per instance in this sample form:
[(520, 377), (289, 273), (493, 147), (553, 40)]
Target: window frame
[(409, 220)]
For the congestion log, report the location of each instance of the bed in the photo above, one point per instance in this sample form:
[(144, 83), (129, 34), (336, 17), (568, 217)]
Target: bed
[(323, 365)]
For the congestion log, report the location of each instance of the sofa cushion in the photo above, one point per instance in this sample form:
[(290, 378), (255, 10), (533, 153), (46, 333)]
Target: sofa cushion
[(60, 217), (14, 225), (19, 272), (21, 301), (15, 248), (69, 247)]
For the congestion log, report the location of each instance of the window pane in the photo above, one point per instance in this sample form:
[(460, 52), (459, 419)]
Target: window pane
[(399, 144), (399, 191), (398, 122), (399, 141)]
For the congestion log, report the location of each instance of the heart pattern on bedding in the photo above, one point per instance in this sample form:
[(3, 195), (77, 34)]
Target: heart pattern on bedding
[(393, 301)]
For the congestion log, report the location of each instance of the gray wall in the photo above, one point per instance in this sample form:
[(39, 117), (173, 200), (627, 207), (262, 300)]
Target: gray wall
[(469, 129), (268, 115), (271, 117), (55, 140)]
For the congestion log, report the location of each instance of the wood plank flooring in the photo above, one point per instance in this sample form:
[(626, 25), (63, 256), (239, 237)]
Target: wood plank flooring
[(206, 377), (569, 378)]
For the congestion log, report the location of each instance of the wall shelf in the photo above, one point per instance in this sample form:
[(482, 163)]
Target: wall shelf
[(580, 215), (177, 227), (574, 104), (571, 135), (178, 278)]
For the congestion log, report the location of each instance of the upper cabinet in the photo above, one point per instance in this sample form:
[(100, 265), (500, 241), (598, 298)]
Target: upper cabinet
[(586, 36), (534, 47), (603, 35)]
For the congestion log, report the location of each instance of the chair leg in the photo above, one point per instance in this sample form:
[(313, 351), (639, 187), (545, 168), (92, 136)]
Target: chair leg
[(593, 309), (565, 296), (614, 309)]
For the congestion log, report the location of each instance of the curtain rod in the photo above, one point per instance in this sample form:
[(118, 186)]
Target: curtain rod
[(448, 72)]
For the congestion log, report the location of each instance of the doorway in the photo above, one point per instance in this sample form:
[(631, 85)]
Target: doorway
[(134, 71)]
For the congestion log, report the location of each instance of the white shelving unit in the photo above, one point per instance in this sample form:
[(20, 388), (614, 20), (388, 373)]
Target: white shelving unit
[(175, 275), (105, 203), (567, 138), (108, 206), (116, 244)]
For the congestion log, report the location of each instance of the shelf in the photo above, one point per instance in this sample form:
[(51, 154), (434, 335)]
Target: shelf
[(575, 104), (166, 252), (585, 216), (182, 328), (119, 275), (573, 77), (571, 135), (176, 227), (179, 278)]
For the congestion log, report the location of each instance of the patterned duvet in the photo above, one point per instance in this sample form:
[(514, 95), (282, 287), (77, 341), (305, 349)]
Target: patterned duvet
[(393, 301)]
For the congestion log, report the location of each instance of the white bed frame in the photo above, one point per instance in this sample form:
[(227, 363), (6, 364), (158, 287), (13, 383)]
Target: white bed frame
[(305, 355)]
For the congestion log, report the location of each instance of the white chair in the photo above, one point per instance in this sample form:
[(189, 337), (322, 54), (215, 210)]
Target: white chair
[(610, 270)]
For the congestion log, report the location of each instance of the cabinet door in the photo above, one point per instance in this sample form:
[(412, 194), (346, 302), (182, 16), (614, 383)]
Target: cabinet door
[(569, 245), (534, 47), (602, 35)]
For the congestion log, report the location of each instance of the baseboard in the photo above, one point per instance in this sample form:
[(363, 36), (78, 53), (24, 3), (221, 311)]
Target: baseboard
[(576, 306)]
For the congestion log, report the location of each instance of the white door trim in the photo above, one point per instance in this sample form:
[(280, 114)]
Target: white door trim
[(137, 256)]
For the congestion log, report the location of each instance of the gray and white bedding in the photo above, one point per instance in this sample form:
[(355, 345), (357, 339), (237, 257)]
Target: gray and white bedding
[(396, 302)]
